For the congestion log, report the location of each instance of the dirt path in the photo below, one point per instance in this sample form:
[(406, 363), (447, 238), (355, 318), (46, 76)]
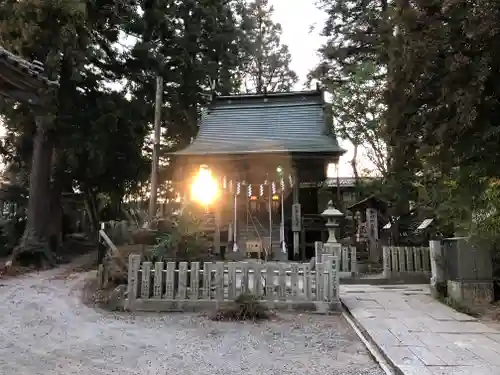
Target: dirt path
[(45, 329)]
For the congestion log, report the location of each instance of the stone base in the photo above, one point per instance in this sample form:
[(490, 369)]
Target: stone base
[(234, 256), (162, 305), (439, 289), (279, 256), (474, 292)]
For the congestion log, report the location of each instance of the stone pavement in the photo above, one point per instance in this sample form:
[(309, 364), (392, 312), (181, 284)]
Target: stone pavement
[(421, 336)]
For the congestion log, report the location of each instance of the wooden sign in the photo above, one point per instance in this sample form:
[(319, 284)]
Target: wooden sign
[(372, 223), (296, 218)]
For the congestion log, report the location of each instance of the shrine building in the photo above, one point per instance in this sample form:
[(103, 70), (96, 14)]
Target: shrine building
[(257, 164)]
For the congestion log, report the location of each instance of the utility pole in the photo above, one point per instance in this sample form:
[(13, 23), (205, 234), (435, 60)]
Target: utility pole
[(156, 148)]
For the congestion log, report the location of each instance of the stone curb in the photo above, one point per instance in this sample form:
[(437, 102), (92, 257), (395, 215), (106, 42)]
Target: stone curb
[(378, 354)]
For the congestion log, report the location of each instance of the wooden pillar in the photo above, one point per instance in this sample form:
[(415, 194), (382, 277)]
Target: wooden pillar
[(296, 213), (217, 216), (184, 170), (303, 241), (156, 150), (372, 232)]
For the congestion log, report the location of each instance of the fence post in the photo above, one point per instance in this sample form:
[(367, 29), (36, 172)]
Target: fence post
[(426, 261), (158, 280), (146, 280), (410, 259), (354, 261), (100, 275), (134, 263), (438, 278), (333, 264), (320, 282), (402, 260), (195, 281), (318, 249), (387, 262), (344, 258)]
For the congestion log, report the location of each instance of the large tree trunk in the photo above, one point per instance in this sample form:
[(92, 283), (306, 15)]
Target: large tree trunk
[(91, 208), (54, 233), (35, 236)]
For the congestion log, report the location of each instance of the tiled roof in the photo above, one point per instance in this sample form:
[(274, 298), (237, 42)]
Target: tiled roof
[(380, 203), (342, 182), (272, 123), (346, 181), (34, 70)]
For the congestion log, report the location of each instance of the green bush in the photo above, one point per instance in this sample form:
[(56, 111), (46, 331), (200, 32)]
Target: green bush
[(177, 238), (11, 230), (184, 241), (245, 307)]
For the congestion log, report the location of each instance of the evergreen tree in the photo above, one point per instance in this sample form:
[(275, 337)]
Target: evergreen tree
[(194, 46), (81, 131), (267, 61), (448, 103), (94, 128), (352, 69), (361, 69)]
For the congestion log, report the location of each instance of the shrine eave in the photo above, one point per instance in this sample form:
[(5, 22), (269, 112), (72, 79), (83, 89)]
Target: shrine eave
[(20, 79), (371, 201)]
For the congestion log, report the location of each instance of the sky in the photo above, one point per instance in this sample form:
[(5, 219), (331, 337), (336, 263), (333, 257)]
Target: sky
[(296, 18)]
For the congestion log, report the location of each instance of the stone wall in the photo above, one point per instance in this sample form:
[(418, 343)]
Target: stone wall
[(462, 271), (471, 292)]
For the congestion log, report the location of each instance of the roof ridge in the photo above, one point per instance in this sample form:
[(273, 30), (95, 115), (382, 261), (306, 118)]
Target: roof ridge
[(264, 104), (270, 95)]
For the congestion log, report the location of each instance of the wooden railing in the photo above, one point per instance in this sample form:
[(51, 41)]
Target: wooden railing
[(192, 286), (401, 261)]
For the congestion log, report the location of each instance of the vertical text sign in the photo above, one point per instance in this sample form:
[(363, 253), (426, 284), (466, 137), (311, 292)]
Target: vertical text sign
[(296, 218)]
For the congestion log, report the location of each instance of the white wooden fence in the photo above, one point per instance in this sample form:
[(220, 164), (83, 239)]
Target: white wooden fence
[(279, 285), (401, 261), (348, 266)]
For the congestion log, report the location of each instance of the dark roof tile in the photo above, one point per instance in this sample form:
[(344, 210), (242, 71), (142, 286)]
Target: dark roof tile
[(273, 123)]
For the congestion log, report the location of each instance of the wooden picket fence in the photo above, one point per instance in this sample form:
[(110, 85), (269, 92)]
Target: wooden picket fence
[(190, 286), (402, 261)]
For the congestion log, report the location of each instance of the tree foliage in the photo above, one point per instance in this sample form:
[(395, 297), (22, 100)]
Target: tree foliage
[(356, 113), (266, 60), (436, 66), (352, 69), (106, 56), (448, 101), (194, 46), (93, 127)]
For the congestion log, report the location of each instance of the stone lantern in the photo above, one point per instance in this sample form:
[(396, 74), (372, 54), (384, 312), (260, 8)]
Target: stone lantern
[(332, 216)]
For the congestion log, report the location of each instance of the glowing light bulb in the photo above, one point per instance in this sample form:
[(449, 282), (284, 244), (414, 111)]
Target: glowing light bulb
[(204, 189)]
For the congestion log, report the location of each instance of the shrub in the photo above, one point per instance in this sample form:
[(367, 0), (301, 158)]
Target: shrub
[(144, 236), (184, 240), (245, 307), (11, 230), (116, 263), (177, 238)]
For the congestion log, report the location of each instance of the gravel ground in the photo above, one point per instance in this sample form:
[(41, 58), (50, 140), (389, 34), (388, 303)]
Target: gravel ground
[(46, 330)]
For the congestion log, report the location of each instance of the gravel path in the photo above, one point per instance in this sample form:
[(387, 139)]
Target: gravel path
[(44, 329)]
